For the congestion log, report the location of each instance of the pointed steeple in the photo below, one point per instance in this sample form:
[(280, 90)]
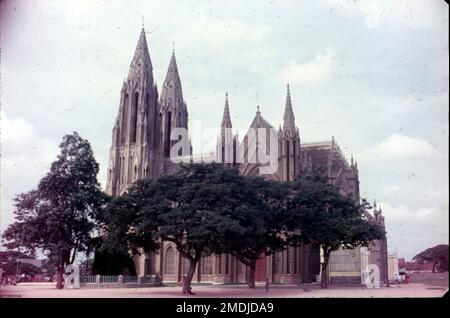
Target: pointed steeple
[(172, 93), (172, 71), (226, 120), (288, 118), (141, 55)]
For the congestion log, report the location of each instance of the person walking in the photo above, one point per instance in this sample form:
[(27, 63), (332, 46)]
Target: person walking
[(267, 284)]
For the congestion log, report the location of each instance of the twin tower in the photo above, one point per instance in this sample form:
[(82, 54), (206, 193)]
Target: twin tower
[(141, 135)]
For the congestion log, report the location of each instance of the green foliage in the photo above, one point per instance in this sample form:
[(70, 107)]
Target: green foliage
[(318, 213), (180, 208), (204, 209), (258, 220), (326, 217), (12, 263), (59, 216)]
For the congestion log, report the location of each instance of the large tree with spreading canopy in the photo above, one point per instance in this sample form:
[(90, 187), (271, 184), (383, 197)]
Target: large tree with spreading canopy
[(59, 216)]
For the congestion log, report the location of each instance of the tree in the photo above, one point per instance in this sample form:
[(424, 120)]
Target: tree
[(14, 263), (438, 255), (124, 227), (180, 208), (258, 217), (60, 216), (327, 218)]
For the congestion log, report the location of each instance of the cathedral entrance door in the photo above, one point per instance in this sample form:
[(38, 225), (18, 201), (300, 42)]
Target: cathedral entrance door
[(261, 269)]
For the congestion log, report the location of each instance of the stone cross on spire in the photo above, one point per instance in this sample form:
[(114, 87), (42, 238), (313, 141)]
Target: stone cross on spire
[(288, 118)]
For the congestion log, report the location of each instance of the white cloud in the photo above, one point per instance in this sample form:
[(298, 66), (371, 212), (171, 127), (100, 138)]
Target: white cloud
[(311, 72), (399, 13), (19, 139), (394, 213), (398, 146), (391, 188), (411, 230), (26, 157)]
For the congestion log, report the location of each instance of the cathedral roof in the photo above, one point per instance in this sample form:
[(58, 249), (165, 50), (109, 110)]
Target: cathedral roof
[(259, 121), (320, 153)]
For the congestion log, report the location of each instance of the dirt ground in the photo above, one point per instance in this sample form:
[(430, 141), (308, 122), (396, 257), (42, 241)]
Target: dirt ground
[(48, 290)]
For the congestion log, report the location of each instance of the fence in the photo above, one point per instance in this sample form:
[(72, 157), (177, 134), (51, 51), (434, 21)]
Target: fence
[(119, 281), (87, 279)]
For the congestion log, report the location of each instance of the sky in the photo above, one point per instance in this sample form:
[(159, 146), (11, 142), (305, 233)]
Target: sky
[(373, 74)]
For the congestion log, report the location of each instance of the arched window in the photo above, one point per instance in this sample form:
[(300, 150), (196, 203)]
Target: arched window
[(287, 160), (147, 100), (124, 120), (169, 261), (168, 131), (294, 152), (122, 174), (207, 266), (129, 180), (133, 121)]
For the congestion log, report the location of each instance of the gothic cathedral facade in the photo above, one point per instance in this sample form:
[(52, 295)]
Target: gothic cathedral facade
[(141, 150)]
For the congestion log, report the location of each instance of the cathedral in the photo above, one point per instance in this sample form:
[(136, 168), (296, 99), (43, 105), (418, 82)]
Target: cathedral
[(141, 147)]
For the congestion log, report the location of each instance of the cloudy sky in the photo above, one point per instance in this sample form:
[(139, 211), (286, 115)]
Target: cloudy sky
[(373, 74)]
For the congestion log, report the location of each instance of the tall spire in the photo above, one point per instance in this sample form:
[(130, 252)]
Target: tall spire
[(172, 71), (171, 89), (288, 118), (226, 120), (141, 54)]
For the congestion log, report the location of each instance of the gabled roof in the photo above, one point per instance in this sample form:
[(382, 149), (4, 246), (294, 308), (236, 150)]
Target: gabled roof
[(259, 121)]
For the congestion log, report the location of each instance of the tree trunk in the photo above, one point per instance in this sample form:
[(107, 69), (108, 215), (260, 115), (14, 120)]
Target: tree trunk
[(251, 274), (59, 277), (187, 281), (324, 276)]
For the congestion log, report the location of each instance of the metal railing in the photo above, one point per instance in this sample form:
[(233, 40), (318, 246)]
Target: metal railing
[(88, 279), (113, 279), (109, 279)]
